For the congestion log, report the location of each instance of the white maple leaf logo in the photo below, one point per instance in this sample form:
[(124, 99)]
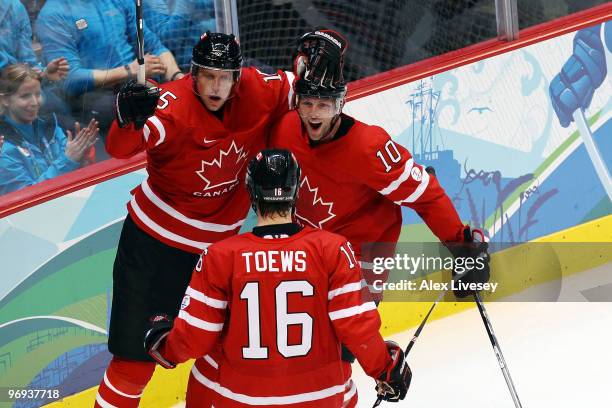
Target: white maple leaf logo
[(211, 171), (315, 212)]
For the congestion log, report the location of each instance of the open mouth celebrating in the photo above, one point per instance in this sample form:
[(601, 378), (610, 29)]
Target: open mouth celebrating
[(315, 125)]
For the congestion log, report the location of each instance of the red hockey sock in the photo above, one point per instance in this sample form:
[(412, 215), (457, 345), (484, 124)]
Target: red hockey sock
[(123, 383)]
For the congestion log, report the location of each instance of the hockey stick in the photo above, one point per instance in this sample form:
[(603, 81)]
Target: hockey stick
[(140, 76), (415, 337), (420, 328), (497, 350)]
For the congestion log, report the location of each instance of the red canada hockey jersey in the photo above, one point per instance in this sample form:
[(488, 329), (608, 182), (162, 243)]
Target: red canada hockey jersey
[(194, 194), (281, 307), (354, 185)]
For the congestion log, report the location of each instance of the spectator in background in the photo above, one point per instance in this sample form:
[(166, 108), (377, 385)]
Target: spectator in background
[(35, 149), (98, 37), (179, 24), (16, 42)]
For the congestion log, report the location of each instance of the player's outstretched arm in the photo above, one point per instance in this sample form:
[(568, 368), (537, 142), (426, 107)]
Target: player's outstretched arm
[(389, 168), (353, 314), (357, 323)]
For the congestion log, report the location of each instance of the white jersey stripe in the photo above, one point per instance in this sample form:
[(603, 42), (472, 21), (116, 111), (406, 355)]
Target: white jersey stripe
[(201, 297), (373, 289), (211, 361), (116, 391), (164, 232), (103, 403), (290, 78), (349, 287), (403, 177), (160, 128), (265, 401), (418, 192), (209, 226), (146, 133), (352, 311), (199, 323), (351, 392)]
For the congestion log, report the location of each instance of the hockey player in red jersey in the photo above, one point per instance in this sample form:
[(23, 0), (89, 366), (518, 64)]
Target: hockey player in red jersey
[(281, 298), (355, 178), (198, 133)]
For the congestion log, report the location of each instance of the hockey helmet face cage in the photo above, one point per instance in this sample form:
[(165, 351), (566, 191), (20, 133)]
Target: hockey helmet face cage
[(273, 176), (217, 51), (315, 100)]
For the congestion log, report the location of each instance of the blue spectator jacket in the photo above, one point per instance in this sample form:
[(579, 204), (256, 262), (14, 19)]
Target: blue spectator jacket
[(179, 24), (91, 34), (15, 34), (32, 153)]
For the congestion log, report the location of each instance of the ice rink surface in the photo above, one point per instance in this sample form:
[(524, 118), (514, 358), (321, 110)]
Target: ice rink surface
[(559, 356)]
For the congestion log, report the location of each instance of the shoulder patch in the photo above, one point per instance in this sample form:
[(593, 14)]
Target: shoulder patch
[(185, 302), (416, 173)]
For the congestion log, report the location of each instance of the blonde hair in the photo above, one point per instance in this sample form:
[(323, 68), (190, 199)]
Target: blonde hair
[(12, 76)]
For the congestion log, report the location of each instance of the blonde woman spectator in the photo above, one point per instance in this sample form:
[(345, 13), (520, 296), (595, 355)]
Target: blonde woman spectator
[(35, 148)]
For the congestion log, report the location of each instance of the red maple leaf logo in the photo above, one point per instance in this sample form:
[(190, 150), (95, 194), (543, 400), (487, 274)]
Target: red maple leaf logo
[(223, 170), (312, 209)]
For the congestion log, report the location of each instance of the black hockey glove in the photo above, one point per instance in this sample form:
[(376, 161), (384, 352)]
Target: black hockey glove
[(320, 57), (471, 261), (135, 103), (392, 385), (160, 329)]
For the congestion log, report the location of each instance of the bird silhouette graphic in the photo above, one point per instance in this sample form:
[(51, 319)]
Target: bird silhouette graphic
[(480, 109)]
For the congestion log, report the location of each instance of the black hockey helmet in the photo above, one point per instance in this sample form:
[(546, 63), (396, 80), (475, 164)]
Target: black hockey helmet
[(273, 176), (217, 51)]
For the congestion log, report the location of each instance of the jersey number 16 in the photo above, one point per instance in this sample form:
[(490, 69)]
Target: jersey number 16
[(284, 319)]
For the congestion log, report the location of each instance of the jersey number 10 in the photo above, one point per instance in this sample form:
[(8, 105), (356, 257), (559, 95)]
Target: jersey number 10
[(284, 319), (391, 152)]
